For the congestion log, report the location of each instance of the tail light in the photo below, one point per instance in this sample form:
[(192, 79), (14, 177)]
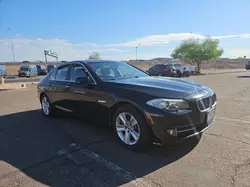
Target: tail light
[(166, 69)]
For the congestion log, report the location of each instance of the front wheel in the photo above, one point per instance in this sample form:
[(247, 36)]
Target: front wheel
[(131, 128), (178, 74)]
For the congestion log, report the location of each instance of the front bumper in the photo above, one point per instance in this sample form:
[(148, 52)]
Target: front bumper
[(173, 127), (23, 74)]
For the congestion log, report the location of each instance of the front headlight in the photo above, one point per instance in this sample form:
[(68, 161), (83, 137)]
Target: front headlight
[(169, 104)]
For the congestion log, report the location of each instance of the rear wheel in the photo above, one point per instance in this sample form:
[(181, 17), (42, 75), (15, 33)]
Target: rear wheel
[(131, 128)]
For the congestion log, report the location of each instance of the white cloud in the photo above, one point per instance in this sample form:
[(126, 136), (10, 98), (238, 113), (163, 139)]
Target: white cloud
[(171, 49), (153, 40), (27, 49), (105, 50), (238, 52), (158, 40), (232, 36), (32, 49)]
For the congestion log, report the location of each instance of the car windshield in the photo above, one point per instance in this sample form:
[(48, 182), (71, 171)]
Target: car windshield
[(24, 68), (111, 70)]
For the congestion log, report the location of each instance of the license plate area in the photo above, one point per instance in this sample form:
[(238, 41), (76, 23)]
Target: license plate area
[(210, 115)]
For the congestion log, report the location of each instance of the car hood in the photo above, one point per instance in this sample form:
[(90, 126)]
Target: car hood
[(162, 86)]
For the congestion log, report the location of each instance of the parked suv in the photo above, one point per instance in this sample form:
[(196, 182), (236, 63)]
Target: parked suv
[(3, 71), (50, 67), (161, 70), (169, 70), (27, 71), (180, 69), (41, 70)]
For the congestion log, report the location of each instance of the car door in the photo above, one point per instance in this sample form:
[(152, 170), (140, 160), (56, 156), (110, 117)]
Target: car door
[(152, 71), (59, 88), (161, 69), (81, 94)]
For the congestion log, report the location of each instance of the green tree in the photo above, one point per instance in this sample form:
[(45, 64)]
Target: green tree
[(195, 52), (95, 55)]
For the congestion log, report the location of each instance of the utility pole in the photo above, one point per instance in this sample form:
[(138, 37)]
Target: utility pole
[(12, 47), (136, 51), (13, 53)]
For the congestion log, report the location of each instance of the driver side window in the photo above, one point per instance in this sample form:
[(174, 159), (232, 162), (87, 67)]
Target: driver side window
[(77, 71)]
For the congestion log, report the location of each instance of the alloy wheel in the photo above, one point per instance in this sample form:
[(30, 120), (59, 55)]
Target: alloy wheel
[(127, 128), (45, 105)]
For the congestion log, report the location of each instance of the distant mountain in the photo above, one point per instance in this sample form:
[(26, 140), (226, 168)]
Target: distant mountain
[(159, 59)]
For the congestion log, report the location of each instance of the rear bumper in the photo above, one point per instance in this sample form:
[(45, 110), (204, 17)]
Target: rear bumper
[(170, 74)]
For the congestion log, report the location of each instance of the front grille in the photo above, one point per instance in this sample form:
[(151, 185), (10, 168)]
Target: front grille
[(207, 102)]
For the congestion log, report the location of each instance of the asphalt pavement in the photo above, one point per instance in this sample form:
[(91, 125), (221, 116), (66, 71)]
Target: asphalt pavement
[(65, 151)]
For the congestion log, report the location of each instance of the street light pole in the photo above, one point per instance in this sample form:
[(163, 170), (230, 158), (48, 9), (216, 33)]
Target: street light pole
[(12, 47), (13, 53), (136, 51)]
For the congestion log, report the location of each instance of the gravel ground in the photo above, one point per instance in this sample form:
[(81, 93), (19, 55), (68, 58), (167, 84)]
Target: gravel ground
[(37, 151)]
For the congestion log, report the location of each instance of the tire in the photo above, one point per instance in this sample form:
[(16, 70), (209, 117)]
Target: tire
[(178, 74), (51, 111), (140, 129)]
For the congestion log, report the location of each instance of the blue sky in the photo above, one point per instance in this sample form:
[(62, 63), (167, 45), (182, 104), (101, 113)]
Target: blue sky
[(76, 28)]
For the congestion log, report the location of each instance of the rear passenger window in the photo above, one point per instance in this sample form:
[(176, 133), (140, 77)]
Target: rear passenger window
[(62, 73), (158, 67)]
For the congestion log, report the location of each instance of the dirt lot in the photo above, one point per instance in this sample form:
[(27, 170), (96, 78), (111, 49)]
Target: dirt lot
[(64, 152)]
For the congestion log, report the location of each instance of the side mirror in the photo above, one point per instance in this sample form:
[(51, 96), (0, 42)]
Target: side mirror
[(82, 80)]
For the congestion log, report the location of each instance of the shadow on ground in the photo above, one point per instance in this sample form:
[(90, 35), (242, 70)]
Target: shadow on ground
[(243, 76), (31, 143)]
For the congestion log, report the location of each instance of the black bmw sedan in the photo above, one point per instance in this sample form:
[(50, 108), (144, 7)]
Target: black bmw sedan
[(140, 108)]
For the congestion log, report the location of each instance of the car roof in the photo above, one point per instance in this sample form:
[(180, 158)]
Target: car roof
[(88, 61), (26, 65)]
